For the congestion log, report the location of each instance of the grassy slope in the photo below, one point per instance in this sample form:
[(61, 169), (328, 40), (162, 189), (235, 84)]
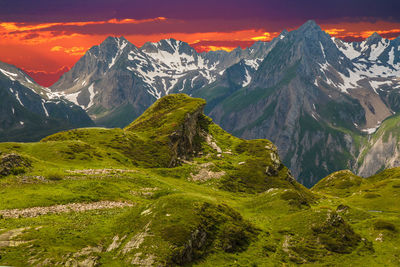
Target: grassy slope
[(248, 218)]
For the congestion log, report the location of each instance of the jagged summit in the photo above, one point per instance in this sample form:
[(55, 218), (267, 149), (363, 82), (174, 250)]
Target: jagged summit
[(172, 46), (283, 34), (309, 26), (374, 36), (110, 39)]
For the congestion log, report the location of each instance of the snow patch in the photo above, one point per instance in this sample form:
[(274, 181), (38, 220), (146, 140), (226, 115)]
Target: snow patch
[(391, 57), (377, 49), (372, 130), (247, 79), (121, 47), (10, 75), (44, 108), (73, 98), (92, 94), (253, 63), (348, 49), (17, 96), (322, 49)]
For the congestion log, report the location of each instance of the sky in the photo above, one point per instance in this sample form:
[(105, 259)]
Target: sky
[(47, 37)]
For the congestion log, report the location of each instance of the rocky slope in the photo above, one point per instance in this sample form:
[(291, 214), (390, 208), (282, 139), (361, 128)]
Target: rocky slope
[(381, 150), (29, 111), (173, 188)]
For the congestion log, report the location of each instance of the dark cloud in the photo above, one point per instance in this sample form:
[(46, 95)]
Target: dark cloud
[(281, 10), (167, 26)]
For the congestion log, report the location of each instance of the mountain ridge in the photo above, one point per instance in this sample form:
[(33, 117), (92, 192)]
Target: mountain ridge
[(302, 88), (29, 111)]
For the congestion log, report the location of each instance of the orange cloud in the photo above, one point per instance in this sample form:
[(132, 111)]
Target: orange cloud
[(56, 48), (204, 48), (362, 30), (334, 31), (267, 36), (44, 32), (22, 27), (73, 51)]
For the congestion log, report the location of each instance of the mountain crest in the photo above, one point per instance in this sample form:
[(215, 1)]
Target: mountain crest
[(309, 26), (374, 36), (283, 34)]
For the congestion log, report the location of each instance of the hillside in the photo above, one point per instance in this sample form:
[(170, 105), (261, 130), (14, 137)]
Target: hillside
[(173, 188)]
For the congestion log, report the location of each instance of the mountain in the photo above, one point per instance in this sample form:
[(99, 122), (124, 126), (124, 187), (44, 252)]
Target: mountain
[(116, 81), (29, 111), (316, 97), (174, 189)]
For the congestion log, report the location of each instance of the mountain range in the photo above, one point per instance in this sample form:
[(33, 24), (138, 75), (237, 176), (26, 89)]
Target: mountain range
[(318, 98)]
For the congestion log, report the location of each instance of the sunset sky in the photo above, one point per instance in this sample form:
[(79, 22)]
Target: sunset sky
[(45, 38)]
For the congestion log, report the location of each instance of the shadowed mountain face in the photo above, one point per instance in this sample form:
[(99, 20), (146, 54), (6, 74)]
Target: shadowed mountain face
[(29, 112), (316, 97)]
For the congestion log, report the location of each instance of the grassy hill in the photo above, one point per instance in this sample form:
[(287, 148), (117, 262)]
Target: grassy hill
[(173, 188)]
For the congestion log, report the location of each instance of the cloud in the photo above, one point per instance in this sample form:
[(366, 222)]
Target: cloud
[(56, 48), (41, 32), (73, 51)]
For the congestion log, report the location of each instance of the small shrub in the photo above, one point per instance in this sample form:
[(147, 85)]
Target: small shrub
[(371, 195), (54, 176), (384, 225), (18, 170)]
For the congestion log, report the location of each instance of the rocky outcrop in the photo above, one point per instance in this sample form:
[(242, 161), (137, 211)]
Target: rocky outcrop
[(336, 235), (13, 164), (185, 141)]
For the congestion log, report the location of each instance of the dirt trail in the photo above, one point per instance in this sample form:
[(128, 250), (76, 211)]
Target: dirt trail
[(79, 207)]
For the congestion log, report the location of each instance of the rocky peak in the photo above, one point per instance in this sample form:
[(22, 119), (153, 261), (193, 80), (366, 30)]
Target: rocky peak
[(176, 119), (283, 34), (374, 38), (13, 164), (169, 45), (111, 40), (309, 27)]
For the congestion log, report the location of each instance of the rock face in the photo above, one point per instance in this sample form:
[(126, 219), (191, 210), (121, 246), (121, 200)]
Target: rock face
[(29, 112), (186, 140), (12, 164), (381, 150)]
